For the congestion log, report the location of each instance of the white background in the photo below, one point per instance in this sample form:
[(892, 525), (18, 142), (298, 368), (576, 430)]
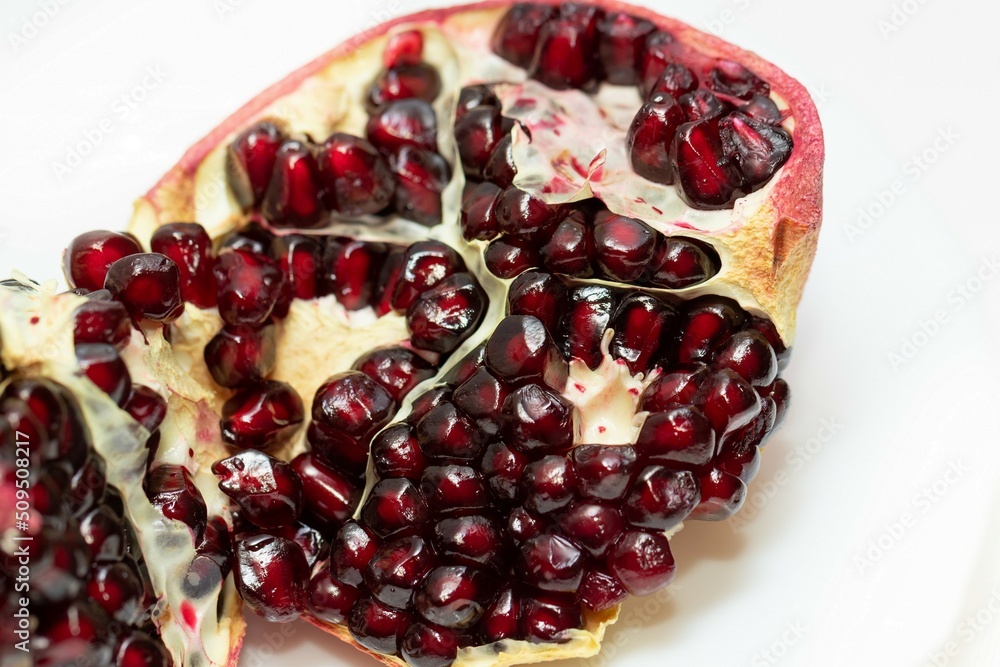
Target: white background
[(873, 535)]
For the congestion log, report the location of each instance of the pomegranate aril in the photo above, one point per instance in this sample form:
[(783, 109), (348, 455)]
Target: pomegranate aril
[(549, 484), (404, 48), (403, 123), (397, 369), (517, 33), (189, 246), (446, 432), (241, 354), (644, 327), (397, 569), (756, 148), (89, 256), (250, 162), (728, 401), (102, 322), (104, 367), (393, 505), (675, 80), (329, 498), (352, 549), (248, 286), (500, 621), (353, 406), (445, 315), (421, 176), (593, 526), (171, 490), (500, 168), (395, 453), (584, 326), (537, 420), (548, 617), (622, 246), (473, 97), (453, 488), (522, 350), (311, 540), (702, 104), (425, 645), (708, 176), (119, 590), (356, 178), (267, 491), (508, 258), (478, 216), (651, 136), (425, 264), (763, 109), (781, 395), (503, 467), (525, 216), (600, 591), (141, 649), (680, 435), (733, 79), (88, 485), (679, 263), (427, 401), (472, 539), (603, 472), (566, 53), (642, 562), (477, 134), (661, 498), (708, 321), (301, 261), (402, 82), (766, 327), (570, 246), (347, 455), (480, 397), (739, 452), (376, 626), (352, 268), (294, 197), (622, 41), (213, 559), (261, 416), (330, 600), (539, 294), (522, 525), (104, 533), (76, 634), (454, 596), (149, 286), (749, 354), (466, 367), (271, 576), (722, 495), (551, 563), (659, 52)]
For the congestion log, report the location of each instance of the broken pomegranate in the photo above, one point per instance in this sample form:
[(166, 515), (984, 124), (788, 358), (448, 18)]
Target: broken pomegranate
[(443, 370)]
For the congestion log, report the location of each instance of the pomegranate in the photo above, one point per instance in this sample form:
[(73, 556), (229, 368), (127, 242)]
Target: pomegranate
[(443, 369)]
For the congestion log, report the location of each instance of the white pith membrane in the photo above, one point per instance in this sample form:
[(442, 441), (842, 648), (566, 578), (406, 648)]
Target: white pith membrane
[(319, 338)]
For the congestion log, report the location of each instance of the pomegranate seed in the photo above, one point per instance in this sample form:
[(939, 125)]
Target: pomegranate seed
[(215, 550), (539, 294), (356, 177), (294, 195), (346, 455), (739, 452), (549, 484), (525, 216), (728, 401), (393, 505), (404, 48), (267, 491), (622, 246), (517, 33), (466, 367), (552, 563), (477, 135), (651, 135), (426, 402), (377, 627), (589, 317), (499, 622), (770, 332), (397, 568), (722, 495), (330, 600), (756, 148), (707, 323), (261, 416), (75, 633), (353, 406), (644, 327), (249, 286), (329, 497), (452, 488), (119, 590), (679, 435), (253, 238), (250, 162), (241, 354), (593, 526), (781, 395), (189, 246), (66, 437), (102, 322), (425, 264), (661, 498), (522, 525), (445, 315), (426, 645), (566, 56), (149, 286), (88, 485), (104, 533), (570, 247), (522, 350), (679, 263), (601, 591), (139, 648), (503, 468), (500, 168), (678, 386), (708, 178), (478, 216), (271, 575), (446, 433), (547, 618), (397, 369), (473, 540), (352, 269), (622, 43), (421, 177), (508, 258), (763, 109), (404, 123), (402, 82), (300, 259), (353, 548), (675, 80), (642, 562), (480, 397), (90, 255), (537, 421), (395, 453), (701, 104), (171, 490), (660, 51), (104, 367), (732, 78), (392, 268), (749, 354), (60, 561), (311, 540), (454, 596), (603, 472), (473, 97)]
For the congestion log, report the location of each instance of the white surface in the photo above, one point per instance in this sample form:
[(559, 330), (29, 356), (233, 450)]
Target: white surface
[(789, 582)]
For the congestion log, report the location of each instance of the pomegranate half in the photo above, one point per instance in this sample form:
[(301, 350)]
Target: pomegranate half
[(435, 344)]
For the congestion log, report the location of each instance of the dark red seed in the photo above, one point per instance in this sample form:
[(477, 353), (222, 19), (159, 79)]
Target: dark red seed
[(171, 490), (603, 472), (356, 178), (651, 136), (472, 539), (329, 498), (453, 488), (749, 354), (644, 328), (621, 46), (76, 634), (566, 55), (403, 123), (425, 645), (525, 216), (271, 576), (119, 590), (707, 323), (249, 286), (312, 541), (500, 620), (503, 468), (569, 248), (622, 246), (593, 526), (353, 405), (539, 294), (104, 533), (722, 495), (478, 216), (702, 104), (397, 369), (660, 51), (781, 395), (454, 596), (88, 485), (679, 263), (756, 148), (90, 255), (709, 178), (189, 246), (537, 420), (551, 563), (425, 264), (250, 162), (294, 196), (352, 270), (347, 455), (477, 135), (466, 367), (253, 238), (447, 433), (139, 648), (301, 261), (149, 286), (547, 618), (404, 48), (500, 168), (675, 80), (402, 82), (549, 484), (522, 525), (262, 415), (473, 97), (395, 453), (642, 562), (480, 397), (517, 33), (507, 258), (377, 627), (763, 109), (728, 401), (103, 366), (766, 327), (393, 505), (732, 78), (330, 600), (522, 350), (389, 275), (600, 591), (397, 569), (680, 435), (352, 549), (589, 317), (102, 322), (421, 176), (660, 498), (444, 316), (426, 402), (267, 491), (739, 451), (241, 354), (680, 385)]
